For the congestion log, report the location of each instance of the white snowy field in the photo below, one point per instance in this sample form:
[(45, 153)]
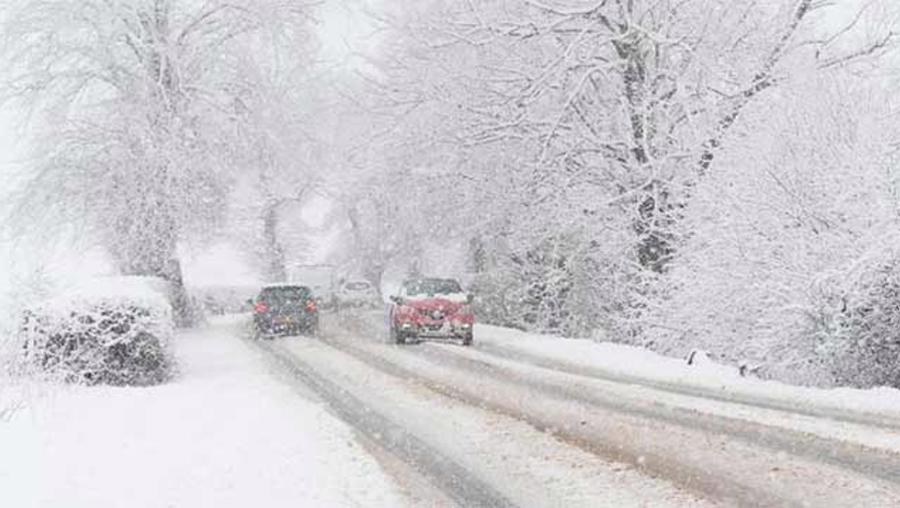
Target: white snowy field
[(224, 433)]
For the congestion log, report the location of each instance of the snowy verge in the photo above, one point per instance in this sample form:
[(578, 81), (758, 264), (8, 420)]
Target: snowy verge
[(225, 433), (640, 366)]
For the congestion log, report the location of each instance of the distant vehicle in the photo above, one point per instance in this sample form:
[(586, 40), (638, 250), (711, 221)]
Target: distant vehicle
[(358, 293), (224, 299), (431, 308), (320, 278), (285, 309)]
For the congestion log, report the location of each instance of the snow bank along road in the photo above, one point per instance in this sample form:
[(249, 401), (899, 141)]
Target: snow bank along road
[(483, 428), (225, 433)]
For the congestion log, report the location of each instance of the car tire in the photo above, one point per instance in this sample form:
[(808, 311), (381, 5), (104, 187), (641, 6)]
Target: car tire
[(467, 339), (397, 337)]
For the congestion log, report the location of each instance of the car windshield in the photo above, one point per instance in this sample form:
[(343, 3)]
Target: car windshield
[(431, 287)]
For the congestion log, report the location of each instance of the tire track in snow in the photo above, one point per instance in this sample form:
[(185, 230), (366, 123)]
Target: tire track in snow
[(836, 414), (694, 479), (875, 463), (364, 322), (454, 480), (698, 476)]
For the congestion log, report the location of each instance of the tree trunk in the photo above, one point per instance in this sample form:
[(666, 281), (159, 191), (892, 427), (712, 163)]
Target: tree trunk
[(276, 271), (167, 267), (184, 312)]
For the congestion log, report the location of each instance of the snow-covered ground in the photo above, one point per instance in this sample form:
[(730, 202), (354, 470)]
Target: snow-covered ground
[(734, 453), (638, 364), (233, 430), (225, 433), (527, 466)]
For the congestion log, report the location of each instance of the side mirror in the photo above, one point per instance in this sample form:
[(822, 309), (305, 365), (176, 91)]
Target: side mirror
[(250, 302), (397, 299)]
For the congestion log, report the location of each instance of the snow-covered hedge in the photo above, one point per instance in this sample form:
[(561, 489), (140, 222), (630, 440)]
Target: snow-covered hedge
[(113, 331), (859, 333), (787, 258)]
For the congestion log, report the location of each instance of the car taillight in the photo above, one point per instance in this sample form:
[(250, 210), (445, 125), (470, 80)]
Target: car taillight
[(311, 305), (261, 308)]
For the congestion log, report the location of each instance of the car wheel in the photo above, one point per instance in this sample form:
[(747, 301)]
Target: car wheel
[(256, 330), (397, 337), (467, 339)]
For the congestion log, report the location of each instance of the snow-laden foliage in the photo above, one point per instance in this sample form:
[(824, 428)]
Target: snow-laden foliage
[(712, 174), (792, 240), (114, 331), (860, 340), (141, 108), (648, 172)]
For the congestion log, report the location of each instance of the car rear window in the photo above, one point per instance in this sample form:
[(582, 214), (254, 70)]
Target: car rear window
[(286, 293)]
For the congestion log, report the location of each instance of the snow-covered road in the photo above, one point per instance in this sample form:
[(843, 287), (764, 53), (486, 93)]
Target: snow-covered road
[(475, 456), (725, 452)]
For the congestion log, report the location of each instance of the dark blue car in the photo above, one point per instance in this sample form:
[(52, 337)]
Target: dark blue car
[(285, 309)]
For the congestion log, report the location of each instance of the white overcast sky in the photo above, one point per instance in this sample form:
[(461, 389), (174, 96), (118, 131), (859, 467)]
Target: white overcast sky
[(344, 28)]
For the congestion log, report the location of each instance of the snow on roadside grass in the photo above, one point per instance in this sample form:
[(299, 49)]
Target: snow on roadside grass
[(225, 433), (10, 394), (634, 362)]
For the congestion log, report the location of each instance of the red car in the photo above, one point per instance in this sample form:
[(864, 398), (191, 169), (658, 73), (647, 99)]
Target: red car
[(431, 308)]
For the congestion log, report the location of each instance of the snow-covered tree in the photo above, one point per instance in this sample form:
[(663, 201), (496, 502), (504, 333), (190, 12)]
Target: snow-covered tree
[(793, 248), (280, 147), (138, 102), (576, 136)]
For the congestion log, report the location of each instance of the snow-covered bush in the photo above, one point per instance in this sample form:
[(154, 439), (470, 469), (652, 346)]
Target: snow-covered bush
[(7, 407), (115, 332), (859, 335), (778, 235)]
